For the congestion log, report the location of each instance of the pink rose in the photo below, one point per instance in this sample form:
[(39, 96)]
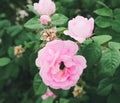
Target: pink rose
[(80, 28), (45, 19), (48, 94), (45, 7), (60, 67)]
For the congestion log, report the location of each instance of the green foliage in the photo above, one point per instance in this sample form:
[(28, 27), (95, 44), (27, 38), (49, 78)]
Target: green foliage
[(104, 12), (60, 92), (110, 61), (14, 30), (113, 98), (115, 25), (39, 87), (64, 100), (59, 19), (4, 61), (12, 70), (11, 52), (115, 45), (92, 52), (102, 39), (48, 100), (108, 22), (33, 23), (117, 13), (3, 24), (12, 67), (103, 22), (104, 87)]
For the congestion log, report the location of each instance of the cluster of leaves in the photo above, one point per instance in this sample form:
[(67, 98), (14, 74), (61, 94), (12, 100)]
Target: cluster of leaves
[(16, 74), (108, 23), (102, 51)]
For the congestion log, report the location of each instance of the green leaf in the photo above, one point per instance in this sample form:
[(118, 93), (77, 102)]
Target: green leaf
[(20, 39), (2, 15), (11, 52), (109, 62), (28, 44), (2, 100), (115, 45), (104, 87), (60, 92), (102, 4), (39, 87), (61, 29), (103, 22), (34, 23), (88, 41), (92, 52), (4, 23), (11, 70), (113, 98), (31, 36), (116, 25), (14, 30), (102, 39), (39, 100), (59, 19), (103, 31), (4, 61), (32, 58), (116, 82), (117, 13), (1, 32), (104, 12), (62, 100), (48, 100)]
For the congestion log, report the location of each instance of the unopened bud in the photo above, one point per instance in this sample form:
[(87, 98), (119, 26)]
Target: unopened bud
[(45, 19)]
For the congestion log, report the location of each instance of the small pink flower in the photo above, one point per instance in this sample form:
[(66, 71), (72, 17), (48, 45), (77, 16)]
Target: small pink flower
[(48, 94), (61, 68), (45, 7), (45, 19), (80, 28)]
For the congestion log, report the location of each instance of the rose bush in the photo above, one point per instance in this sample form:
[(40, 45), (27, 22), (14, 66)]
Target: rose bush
[(41, 63), (60, 61)]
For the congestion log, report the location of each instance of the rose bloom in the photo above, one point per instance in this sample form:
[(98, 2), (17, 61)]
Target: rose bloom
[(80, 28), (48, 94), (45, 19), (61, 68), (45, 7)]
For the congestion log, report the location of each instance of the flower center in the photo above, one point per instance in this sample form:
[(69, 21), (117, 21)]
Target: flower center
[(62, 65)]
